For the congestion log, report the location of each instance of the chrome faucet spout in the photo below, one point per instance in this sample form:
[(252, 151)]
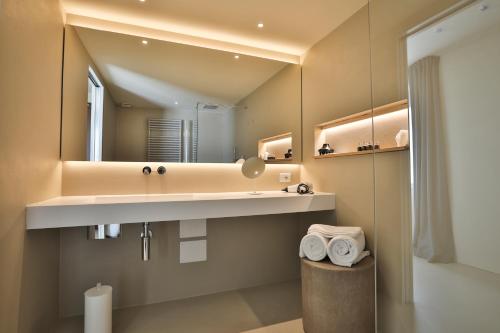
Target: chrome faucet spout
[(146, 236)]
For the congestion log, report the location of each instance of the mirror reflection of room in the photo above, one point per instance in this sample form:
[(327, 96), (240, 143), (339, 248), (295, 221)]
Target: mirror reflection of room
[(151, 100)]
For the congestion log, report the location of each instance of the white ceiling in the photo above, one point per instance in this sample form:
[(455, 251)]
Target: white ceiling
[(291, 26), (171, 69), (459, 26), (160, 73)]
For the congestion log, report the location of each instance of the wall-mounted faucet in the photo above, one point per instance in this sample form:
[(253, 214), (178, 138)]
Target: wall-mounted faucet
[(146, 236), (161, 170), (147, 170)]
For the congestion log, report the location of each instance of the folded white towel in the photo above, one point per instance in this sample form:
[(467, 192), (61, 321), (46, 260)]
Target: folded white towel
[(313, 246), (330, 231), (345, 250)]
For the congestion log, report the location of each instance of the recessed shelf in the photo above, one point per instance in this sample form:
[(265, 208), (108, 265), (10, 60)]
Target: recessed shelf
[(347, 133), (276, 145), (279, 160), (364, 152)]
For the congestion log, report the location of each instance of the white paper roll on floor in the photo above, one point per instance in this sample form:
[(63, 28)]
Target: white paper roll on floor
[(98, 309)]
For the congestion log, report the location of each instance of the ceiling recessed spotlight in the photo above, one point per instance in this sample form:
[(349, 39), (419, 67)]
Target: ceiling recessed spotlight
[(176, 103), (260, 25), (142, 0), (126, 105), (236, 56), (145, 42), (483, 7)]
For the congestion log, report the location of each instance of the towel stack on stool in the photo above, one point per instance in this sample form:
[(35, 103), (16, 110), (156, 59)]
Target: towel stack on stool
[(343, 245)]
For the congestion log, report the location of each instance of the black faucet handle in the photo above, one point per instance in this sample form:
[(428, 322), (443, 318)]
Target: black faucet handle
[(146, 170), (161, 170)]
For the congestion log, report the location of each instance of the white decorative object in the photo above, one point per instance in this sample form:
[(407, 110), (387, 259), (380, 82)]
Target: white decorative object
[(402, 138), (98, 309)]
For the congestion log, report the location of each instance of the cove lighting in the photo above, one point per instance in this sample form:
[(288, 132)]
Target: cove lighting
[(279, 141), (367, 123)]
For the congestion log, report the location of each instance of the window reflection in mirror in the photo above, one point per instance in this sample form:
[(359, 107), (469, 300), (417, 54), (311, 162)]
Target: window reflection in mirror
[(94, 116)]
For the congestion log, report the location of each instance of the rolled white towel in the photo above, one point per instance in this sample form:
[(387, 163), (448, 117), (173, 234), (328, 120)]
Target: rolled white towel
[(346, 250), (330, 231), (313, 246)]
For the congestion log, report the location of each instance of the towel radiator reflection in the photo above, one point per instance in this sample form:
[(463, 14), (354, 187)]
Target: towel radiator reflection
[(172, 140)]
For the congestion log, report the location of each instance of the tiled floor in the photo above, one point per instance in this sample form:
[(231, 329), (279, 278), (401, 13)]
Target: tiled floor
[(268, 309)]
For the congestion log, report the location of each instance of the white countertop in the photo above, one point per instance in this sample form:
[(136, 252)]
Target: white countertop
[(73, 211)]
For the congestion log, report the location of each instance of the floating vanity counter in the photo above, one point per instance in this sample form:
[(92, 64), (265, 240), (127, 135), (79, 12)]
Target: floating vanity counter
[(74, 211)]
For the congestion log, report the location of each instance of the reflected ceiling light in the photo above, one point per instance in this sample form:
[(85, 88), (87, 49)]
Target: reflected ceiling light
[(236, 56), (260, 25), (145, 42)]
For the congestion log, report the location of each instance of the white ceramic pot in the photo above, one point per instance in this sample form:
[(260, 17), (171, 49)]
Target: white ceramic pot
[(402, 138)]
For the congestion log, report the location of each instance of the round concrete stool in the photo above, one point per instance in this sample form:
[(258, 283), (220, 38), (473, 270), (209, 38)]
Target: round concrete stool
[(338, 299)]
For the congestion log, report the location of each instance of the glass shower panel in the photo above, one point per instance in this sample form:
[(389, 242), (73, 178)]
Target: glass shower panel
[(436, 215), (336, 90)]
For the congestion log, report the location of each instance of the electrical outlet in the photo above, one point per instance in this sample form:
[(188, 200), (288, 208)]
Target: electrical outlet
[(285, 177)]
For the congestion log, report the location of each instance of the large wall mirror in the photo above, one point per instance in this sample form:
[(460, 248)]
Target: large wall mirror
[(127, 98)]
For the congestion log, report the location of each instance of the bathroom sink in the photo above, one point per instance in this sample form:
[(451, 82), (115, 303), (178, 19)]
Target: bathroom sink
[(73, 211)]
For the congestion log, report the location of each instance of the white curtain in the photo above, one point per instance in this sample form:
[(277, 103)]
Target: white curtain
[(432, 229)]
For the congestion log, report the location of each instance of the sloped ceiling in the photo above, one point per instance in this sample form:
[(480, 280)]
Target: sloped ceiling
[(160, 73)]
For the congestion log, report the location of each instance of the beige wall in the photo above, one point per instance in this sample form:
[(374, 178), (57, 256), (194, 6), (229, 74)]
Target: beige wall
[(80, 178), (469, 75), (242, 252), (75, 95), (31, 35), (273, 108)]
